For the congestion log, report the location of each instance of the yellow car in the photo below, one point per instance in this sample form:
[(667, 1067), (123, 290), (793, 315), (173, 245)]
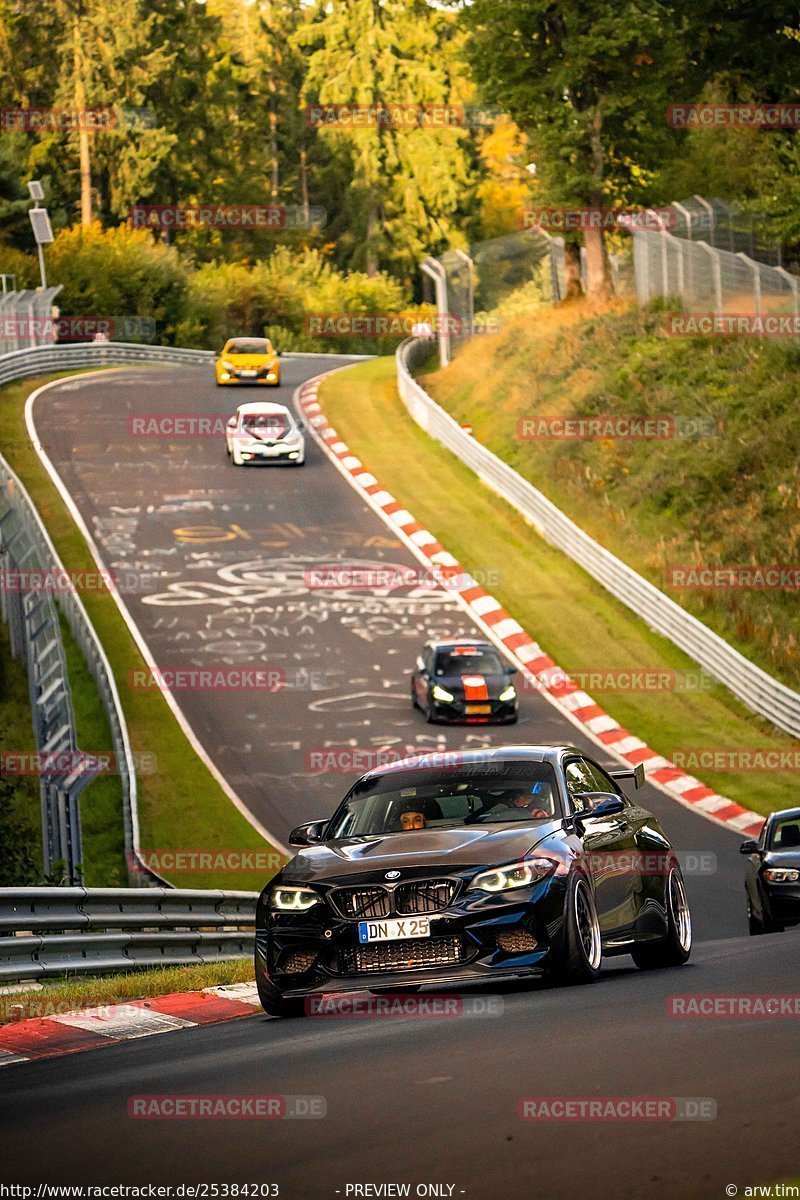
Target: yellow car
[(248, 360)]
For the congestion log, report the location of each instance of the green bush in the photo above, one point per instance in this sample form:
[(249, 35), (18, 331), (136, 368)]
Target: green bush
[(119, 272), (126, 272)]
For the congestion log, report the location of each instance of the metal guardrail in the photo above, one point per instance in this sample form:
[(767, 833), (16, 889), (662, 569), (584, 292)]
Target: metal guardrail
[(40, 360), (760, 691), (35, 633), (49, 932), (35, 639), (61, 817)]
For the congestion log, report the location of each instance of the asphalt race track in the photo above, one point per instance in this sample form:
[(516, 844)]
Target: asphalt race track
[(223, 555), (435, 1100)]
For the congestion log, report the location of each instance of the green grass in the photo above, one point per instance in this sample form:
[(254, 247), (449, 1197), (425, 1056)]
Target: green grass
[(102, 827), (20, 809), (181, 806), (728, 499), (59, 996), (574, 619)]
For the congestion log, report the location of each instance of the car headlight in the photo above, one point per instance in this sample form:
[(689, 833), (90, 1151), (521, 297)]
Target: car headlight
[(292, 899), (509, 694), (227, 365), (516, 875), (781, 875), (440, 693)]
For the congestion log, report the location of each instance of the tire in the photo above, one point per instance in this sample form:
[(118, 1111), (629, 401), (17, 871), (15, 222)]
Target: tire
[(581, 957), (275, 1005), (762, 924), (754, 923), (674, 949)]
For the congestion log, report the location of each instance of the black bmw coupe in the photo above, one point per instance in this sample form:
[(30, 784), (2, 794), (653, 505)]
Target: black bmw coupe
[(772, 882), (460, 868)]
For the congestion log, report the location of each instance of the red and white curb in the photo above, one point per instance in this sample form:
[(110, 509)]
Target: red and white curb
[(533, 661), (90, 1028)]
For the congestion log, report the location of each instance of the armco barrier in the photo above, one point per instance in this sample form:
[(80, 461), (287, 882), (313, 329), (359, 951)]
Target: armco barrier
[(60, 808), (48, 932), (761, 692)]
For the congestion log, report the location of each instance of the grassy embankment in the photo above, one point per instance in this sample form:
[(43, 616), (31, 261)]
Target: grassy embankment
[(571, 615)]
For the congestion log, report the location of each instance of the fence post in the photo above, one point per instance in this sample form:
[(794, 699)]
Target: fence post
[(717, 271), (462, 254), (792, 280), (435, 271), (754, 267), (712, 215)]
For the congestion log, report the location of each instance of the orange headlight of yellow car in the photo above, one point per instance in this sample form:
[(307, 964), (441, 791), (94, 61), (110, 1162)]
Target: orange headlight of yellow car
[(248, 360)]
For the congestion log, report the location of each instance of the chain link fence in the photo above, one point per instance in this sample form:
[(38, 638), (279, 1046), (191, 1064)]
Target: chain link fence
[(25, 317), (476, 288), (714, 261)]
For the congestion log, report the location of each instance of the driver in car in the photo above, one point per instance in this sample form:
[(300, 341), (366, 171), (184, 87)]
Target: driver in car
[(412, 819)]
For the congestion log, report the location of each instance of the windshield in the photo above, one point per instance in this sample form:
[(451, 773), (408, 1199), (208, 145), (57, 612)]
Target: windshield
[(424, 799), (460, 660), (253, 347), (272, 425), (785, 834)]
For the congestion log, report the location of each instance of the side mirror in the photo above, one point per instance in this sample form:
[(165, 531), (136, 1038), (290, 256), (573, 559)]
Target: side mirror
[(231, 422), (278, 353), (749, 847), (420, 663), (601, 804), (309, 834)]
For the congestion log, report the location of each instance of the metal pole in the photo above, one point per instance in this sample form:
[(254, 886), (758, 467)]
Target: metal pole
[(42, 271), (436, 272), (462, 254), (717, 271)]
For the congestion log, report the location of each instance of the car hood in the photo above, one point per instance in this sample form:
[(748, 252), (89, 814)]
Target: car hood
[(424, 849), (493, 684), (783, 858)]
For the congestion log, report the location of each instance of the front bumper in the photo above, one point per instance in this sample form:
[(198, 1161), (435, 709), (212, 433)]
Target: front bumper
[(468, 712), (257, 452), (231, 379), (470, 935), (782, 902)]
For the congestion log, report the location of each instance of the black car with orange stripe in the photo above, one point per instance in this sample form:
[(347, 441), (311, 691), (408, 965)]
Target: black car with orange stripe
[(464, 683)]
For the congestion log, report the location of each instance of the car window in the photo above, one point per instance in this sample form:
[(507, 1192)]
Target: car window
[(603, 781), (461, 660), (785, 835), (268, 424), (253, 347), (437, 797), (579, 780)]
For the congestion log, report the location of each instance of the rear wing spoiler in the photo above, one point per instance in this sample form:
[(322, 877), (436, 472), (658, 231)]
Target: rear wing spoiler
[(635, 773)]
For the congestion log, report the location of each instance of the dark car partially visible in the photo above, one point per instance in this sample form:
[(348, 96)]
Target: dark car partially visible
[(772, 881)]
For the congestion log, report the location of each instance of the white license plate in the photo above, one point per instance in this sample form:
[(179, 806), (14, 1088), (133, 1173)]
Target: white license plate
[(247, 374), (393, 931)]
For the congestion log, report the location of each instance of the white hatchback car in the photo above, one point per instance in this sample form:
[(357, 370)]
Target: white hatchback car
[(261, 432)]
